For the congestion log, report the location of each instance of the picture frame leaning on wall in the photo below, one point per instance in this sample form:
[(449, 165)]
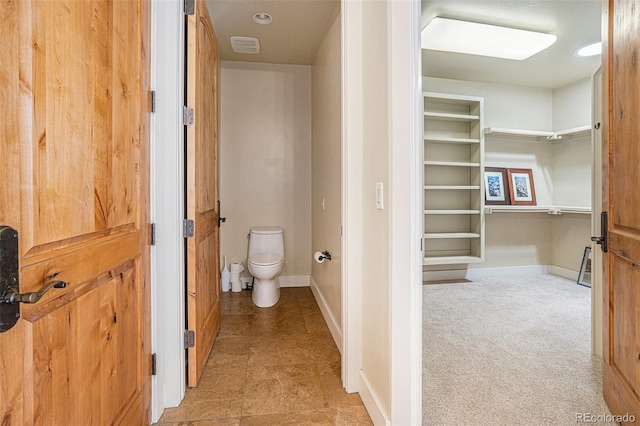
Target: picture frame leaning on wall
[(521, 187)]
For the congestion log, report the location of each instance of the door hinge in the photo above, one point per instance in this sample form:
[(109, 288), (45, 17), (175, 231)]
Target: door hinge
[(152, 235), (152, 101), (188, 115), (189, 7), (189, 339), (188, 228), (153, 365)]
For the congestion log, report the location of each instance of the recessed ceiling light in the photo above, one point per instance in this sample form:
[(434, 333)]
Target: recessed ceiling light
[(451, 35), (590, 49), (262, 18)]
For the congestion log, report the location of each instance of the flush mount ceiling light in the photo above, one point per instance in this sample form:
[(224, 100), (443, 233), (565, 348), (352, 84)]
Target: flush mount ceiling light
[(262, 18), (590, 49), (451, 35)]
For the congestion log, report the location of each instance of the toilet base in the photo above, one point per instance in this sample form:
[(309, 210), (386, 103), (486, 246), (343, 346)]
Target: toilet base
[(266, 293)]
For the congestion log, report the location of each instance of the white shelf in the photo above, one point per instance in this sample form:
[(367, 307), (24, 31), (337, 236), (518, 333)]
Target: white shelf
[(540, 136), (445, 116), (553, 210), (450, 260), (452, 187), (451, 140), (451, 164), (440, 235), (452, 212), (453, 131)]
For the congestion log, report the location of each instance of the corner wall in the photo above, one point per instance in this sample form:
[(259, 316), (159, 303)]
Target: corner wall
[(326, 175), (562, 172), (265, 158)]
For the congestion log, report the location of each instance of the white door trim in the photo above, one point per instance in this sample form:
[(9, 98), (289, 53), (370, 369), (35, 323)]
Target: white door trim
[(168, 286), (405, 292), (351, 194)]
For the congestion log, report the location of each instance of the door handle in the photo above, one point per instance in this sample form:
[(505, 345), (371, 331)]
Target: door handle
[(602, 239), (31, 297), (10, 296), (220, 219)]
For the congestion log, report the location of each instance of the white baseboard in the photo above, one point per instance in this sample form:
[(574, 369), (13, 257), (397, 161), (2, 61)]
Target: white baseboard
[(506, 271), (448, 274), (372, 402), (294, 280), (564, 272), (333, 325)]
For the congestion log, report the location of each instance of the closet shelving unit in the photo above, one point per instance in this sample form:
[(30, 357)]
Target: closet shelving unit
[(519, 135), (453, 185)]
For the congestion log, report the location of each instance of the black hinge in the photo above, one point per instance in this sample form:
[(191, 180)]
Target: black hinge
[(153, 364), (189, 7), (189, 339), (152, 234), (188, 228), (152, 100)]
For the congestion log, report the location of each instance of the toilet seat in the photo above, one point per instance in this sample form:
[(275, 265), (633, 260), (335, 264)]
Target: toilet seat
[(265, 259)]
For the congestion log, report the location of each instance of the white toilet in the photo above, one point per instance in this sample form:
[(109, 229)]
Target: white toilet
[(266, 257)]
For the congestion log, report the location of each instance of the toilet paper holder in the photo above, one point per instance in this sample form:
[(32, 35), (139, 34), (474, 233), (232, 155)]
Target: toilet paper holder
[(325, 255)]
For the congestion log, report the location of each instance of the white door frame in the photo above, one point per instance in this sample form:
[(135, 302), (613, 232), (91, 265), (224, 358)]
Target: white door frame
[(168, 285), (406, 194)]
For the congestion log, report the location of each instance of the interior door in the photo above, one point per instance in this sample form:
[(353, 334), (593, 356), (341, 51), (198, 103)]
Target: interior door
[(621, 174), (203, 260), (74, 184)]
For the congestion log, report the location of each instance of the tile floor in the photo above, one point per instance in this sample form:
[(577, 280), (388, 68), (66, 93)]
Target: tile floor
[(274, 366)]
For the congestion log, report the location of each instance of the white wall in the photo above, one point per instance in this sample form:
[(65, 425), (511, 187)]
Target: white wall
[(572, 105), (572, 168), (375, 241), (326, 164), (265, 158)]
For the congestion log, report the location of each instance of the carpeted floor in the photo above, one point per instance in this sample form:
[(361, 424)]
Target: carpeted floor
[(509, 351)]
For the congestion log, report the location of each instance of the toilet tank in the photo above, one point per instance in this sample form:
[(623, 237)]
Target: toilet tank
[(266, 240)]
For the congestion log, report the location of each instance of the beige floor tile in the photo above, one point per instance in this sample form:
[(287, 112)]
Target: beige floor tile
[(282, 388), (280, 350), (312, 418), (229, 351), (235, 325), (270, 366), (233, 421), (332, 385), (199, 410)]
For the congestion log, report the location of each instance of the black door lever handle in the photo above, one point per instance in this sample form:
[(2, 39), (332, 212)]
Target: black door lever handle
[(602, 240)]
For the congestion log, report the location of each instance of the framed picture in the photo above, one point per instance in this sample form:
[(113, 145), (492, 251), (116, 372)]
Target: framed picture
[(584, 277), (496, 187), (521, 187)]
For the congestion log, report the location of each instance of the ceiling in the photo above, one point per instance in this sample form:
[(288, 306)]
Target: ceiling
[(292, 38), (298, 26), (575, 23)]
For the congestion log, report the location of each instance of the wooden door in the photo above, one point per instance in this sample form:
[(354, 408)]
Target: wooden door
[(203, 260), (621, 175), (74, 183)]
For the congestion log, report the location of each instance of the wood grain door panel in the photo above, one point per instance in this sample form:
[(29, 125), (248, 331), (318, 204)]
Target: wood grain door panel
[(203, 259), (621, 274), (74, 140)]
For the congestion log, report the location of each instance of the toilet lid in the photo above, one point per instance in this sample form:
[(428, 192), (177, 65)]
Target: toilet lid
[(264, 259)]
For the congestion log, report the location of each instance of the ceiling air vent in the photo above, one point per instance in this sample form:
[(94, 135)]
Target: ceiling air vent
[(245, 44)]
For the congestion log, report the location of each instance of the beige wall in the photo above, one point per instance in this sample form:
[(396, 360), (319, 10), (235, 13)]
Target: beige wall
[(376, 282), (326, 173), (265, 157)]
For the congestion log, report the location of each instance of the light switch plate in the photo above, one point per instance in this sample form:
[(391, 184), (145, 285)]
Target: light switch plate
[(379, 196)]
